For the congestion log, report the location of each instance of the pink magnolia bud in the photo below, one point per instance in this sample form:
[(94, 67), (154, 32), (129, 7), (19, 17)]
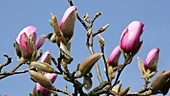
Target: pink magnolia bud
[(151, 60), (114, 56), (46, 57), (25, 42), (43, 91), (68, 21), (130, 38)]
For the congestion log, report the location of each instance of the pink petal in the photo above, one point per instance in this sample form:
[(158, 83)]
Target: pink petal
[(123, 39), (42, 90), (23, 41), (44, 56), (114, 56), (130, 38), (40, 42), (151, 57), (51, 76), (28, 30), (67, 14)]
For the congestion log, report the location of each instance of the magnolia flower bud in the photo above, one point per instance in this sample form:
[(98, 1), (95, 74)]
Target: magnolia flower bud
[(43, 66), (158, 83), (103, 28), (124, 92), (101, 41), (130, 38), (42, 80), (68, 21), (25, 43), (151, 60), (114, 57), (117, 89), (88, 63), (86, 18), (46, 57)]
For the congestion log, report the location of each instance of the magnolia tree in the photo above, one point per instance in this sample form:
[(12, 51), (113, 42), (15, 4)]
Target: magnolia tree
[(44, 75)]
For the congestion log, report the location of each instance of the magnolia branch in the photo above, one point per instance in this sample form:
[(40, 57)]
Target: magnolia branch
[(9, 60), (5, 74), (91, 41)]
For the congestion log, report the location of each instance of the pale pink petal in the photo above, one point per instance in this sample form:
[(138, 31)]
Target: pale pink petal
[(114, 56), (152, 58), (51, 76), (44, 56), (40, 42), (28, 30), (67, 14)]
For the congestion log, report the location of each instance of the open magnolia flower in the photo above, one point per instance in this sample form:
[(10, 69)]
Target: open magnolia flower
[(25, 43), (151, 60), (130, 38)]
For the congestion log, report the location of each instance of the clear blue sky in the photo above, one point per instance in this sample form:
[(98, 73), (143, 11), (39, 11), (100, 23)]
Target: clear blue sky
[(17, 14)]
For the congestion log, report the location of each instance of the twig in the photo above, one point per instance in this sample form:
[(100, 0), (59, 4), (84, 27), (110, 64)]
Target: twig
[(104, 91), (105, 63), (101, 86), (58, 65), (127, 60), (118, 75), (64, 92), (5, 74), (9, 60), (39, 55), (12, 73), (20, 63), (102, 29)]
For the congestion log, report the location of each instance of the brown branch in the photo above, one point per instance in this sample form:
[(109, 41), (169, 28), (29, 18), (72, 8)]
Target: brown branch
[(95, 17), (58, 65), (39, 55), (105, 63), (20, 63), (118, 75), (6, 74), (102, 29), (9, 60), (64, 91), (101, 86)]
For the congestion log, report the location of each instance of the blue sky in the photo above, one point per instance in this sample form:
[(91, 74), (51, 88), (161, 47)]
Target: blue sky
[(17, 14)]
